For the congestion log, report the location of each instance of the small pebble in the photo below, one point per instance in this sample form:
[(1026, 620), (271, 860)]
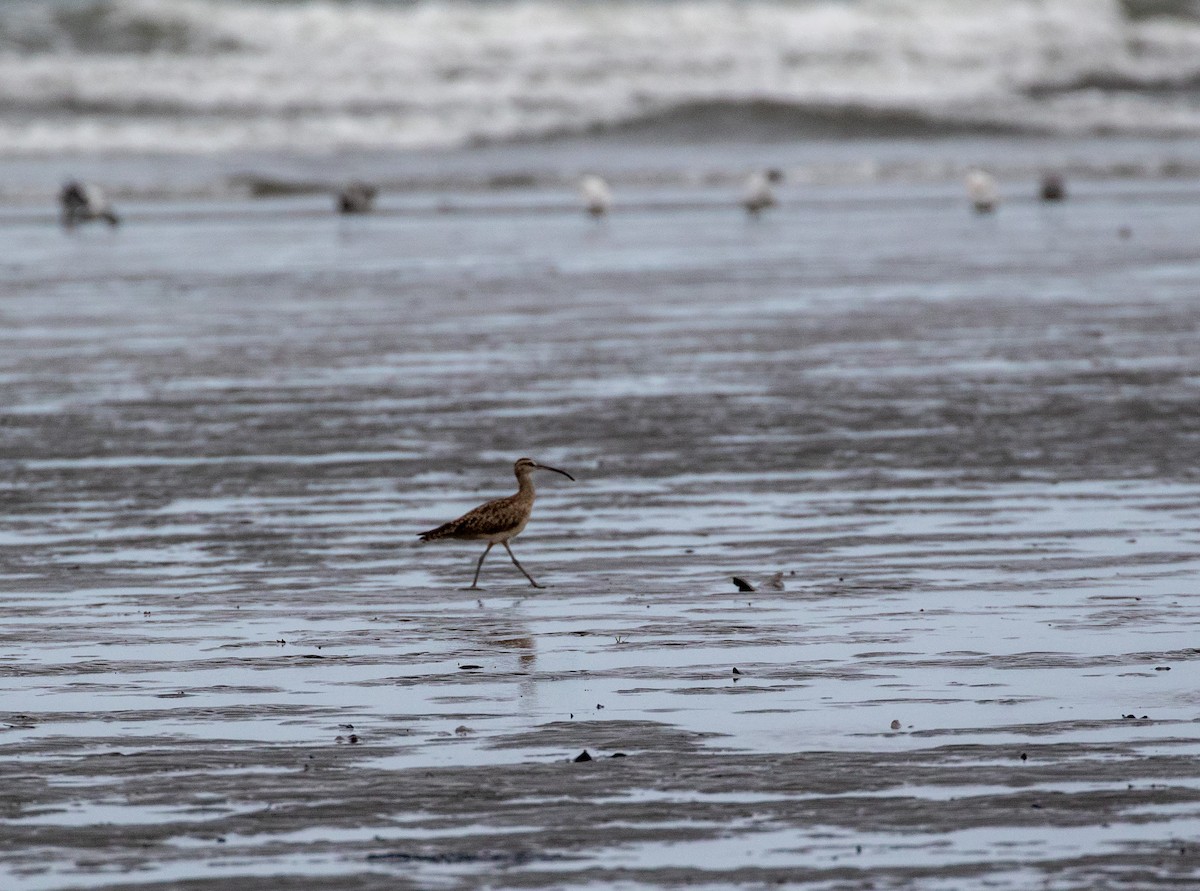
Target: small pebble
[(583, 756), (895, 725)]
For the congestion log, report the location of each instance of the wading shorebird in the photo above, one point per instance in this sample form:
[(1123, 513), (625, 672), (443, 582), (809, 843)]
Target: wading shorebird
[(356, 197), (597, 196), (499, 520), (83, 202), (759, 194), (1053, 188), (981, 190)]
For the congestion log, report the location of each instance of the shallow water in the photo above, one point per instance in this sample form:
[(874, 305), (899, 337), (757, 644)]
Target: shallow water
[(968, 444)]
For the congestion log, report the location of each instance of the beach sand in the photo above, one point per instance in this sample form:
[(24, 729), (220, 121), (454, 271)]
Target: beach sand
[(969, 444)]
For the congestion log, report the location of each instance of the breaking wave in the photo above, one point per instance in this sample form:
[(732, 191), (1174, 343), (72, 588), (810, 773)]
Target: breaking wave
[(212, 75)]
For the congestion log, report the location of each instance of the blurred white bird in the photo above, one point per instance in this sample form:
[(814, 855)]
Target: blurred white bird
[(597, 196), (759, 194), (981, 189), (83, 202)]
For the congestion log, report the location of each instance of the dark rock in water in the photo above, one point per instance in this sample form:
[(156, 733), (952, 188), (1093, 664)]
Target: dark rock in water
[(356, 197), (616, 755), (583, 756), (735, 671), (1054, 187), (742, 584)]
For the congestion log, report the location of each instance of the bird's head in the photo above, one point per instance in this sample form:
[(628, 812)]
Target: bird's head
[(526, 466)]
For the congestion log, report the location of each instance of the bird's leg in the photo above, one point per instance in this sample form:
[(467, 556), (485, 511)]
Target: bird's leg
[(479, 565), (519, 566)]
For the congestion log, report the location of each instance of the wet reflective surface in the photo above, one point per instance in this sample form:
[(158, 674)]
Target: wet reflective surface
[(955, 456)]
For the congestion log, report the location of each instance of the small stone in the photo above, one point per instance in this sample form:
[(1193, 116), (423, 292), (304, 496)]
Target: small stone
[(618, 755), (895, 725), (735, 671), (469, 667), (583, 756), (1024, 757), (742, 584)]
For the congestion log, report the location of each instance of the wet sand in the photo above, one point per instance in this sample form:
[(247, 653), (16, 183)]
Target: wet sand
[(970, 445)]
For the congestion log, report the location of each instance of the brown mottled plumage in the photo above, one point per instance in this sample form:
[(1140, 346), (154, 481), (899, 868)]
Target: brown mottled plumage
[(499, 520)]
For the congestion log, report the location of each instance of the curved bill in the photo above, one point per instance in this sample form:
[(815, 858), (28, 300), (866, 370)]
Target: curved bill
[(556, 470)]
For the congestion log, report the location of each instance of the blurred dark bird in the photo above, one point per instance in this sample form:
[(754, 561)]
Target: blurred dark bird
[(356, 197), (1054, 187), (83, 202), (497, 521)]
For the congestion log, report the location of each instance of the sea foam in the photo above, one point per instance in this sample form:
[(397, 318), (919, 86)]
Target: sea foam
[(212, 75)]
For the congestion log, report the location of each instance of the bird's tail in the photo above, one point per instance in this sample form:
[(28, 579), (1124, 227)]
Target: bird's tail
[(440, 532)]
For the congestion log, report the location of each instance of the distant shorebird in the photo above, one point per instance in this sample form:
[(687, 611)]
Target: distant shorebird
[(597, 196), (981, 189), (497, 521), (759, 194), (356, 197), (1054, 187), (82, 203)]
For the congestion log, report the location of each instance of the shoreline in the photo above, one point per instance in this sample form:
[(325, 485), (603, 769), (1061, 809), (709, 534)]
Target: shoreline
[(635, 163)]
